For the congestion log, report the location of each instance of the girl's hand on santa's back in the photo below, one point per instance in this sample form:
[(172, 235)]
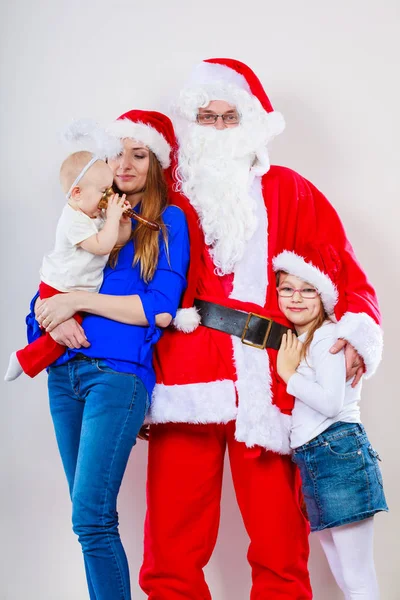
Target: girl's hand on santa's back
[(289, 355)]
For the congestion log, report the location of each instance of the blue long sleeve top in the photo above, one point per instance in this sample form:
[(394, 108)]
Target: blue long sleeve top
[(129, 348)]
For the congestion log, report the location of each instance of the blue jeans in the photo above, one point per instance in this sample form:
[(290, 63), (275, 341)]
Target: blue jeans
[(97, 413)]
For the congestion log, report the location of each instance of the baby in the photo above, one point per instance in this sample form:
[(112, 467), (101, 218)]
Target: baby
[(84, 240)]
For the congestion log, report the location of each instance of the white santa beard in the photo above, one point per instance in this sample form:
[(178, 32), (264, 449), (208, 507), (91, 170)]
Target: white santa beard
[(215, 174)]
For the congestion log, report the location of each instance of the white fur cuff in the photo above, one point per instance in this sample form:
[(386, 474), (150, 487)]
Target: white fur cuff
[(365, 335), (187, 319)]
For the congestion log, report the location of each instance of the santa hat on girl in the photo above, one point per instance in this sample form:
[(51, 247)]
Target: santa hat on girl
[(317, 265), (151, 128), (233, 81)]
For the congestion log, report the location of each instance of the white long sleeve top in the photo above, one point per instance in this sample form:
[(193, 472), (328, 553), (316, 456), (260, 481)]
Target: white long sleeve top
[(322, 394)]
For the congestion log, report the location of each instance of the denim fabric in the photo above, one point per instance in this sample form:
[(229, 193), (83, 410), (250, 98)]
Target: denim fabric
[(341, 478), (97, 413)]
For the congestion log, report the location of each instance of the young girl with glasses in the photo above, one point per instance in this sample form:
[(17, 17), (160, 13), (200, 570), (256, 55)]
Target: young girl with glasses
[(341, 479)]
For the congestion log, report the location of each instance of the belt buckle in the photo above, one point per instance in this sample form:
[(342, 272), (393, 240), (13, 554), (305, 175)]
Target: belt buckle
[(246, 327)]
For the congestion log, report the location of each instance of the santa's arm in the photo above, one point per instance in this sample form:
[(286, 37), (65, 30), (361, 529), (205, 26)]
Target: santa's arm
[(359, 319)]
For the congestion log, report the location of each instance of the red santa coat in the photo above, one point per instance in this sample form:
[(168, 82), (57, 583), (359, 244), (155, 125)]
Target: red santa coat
[(207, 376)]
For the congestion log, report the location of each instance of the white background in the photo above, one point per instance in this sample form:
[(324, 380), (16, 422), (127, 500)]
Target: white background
[(332, 68)]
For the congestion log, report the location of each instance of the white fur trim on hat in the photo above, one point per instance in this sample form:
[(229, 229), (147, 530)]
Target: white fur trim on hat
[(362, 332), (148, 135), (217, 82), (209, 73), (293, 264), (187, 319)]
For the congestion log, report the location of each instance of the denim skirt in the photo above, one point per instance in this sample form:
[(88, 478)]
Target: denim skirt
[(341, 479)]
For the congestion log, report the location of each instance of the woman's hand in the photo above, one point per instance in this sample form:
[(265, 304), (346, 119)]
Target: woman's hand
[(126, 219), (70, 334), (289, 356), (125, 228), (55, 310), (36, 307)]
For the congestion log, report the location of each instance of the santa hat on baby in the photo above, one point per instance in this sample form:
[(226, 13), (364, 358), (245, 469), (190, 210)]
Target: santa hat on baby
[(318, 265), (233, 81), (151, 128)]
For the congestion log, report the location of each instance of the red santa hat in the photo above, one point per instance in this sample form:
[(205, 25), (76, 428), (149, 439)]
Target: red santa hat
[(151, 128), (317, 265), (233, 81)]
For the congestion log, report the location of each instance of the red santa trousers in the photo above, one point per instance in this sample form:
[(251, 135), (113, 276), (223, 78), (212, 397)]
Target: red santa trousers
[(183, 494), (41, 353)]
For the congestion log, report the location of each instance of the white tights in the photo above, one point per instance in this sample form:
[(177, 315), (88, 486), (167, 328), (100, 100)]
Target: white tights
[(349, 550)]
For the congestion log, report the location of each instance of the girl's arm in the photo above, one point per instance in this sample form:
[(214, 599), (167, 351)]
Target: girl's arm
[(326, 394)]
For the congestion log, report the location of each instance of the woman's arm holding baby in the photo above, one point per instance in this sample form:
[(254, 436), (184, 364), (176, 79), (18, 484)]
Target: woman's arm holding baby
[(69, 333), (125, 309), (155, 305)]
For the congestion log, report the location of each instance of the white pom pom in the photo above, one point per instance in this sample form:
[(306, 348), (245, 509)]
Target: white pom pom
[(79, 129), (87, 134), (276, 124), (107, 145), (187, 319)]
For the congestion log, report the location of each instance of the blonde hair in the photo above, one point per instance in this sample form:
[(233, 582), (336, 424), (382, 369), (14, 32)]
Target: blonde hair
[(320, 319), (146, 241), (72, 166)]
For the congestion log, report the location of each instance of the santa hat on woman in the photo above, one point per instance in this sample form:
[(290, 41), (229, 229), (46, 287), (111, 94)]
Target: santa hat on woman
[(151, 128), (317, 265)]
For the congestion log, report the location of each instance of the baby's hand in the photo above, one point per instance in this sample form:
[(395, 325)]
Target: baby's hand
[(289, 355), (116, 207), (125, 218)]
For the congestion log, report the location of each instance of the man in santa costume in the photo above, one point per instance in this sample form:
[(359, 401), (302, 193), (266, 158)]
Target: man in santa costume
[(217, 384)]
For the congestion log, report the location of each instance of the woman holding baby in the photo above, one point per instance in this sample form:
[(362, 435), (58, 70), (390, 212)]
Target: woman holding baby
[(101, 387)]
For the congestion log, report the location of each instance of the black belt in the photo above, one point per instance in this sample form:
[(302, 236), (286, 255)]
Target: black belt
[(254, 330), (81, 356)]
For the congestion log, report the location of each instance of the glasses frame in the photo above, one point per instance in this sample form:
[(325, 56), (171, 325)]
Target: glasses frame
[(278, 289), (216, 117)]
